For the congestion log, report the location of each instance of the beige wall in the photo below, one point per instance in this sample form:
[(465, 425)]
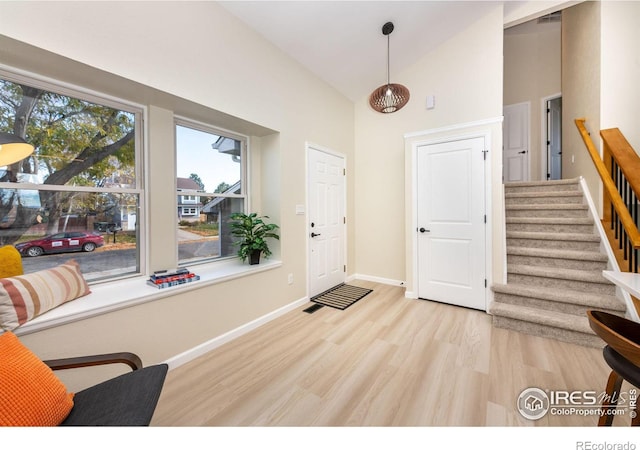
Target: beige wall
[(600, 80), (532, 72), (581, 83), (200, 53), (620, 41), (465, 75)]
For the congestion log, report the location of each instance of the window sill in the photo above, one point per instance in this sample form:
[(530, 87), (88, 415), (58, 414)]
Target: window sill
[(135, 291)]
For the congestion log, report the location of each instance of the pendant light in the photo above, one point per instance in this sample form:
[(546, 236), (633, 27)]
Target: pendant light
[(13, 149), (389, 97)]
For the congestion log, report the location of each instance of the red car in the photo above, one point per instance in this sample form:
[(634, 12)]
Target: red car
[(73, 241)]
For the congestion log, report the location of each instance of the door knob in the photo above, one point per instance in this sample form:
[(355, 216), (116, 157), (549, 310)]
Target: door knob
[(315, 234), (423, 230), (522, 152)]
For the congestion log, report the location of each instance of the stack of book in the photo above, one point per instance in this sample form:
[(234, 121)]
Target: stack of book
[(166, 278)]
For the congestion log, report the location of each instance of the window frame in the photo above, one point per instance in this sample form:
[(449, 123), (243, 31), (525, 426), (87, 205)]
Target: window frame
[(140, 113), (244, 178)]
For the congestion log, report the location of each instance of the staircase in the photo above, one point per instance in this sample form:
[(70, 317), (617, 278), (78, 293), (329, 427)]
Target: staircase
[(554, 264)]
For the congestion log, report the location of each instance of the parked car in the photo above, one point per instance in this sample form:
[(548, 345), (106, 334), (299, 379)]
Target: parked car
[(73, 241)]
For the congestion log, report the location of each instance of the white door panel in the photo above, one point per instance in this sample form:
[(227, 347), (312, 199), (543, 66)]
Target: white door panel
[(515, 142), (451, 229), (326, 181)]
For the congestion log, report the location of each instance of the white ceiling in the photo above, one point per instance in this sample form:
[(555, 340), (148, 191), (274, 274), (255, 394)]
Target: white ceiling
[(342, 41)]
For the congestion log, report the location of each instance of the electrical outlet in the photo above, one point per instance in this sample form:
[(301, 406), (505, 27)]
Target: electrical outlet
[(290, 278)]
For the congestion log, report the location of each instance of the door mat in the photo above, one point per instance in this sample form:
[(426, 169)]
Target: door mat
[(341, 296)]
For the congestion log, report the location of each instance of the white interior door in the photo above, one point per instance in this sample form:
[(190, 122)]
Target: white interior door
[(554, 138), (515, 139), (451, 222), (326, 178)]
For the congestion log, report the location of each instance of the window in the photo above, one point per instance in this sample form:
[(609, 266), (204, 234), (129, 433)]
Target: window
[(189, 211), (211, 168), (81, 189)]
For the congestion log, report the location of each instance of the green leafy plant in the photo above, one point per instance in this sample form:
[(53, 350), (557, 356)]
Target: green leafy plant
[(253, 233)]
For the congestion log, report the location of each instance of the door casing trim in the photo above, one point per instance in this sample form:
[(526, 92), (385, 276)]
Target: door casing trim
[(482, 128)]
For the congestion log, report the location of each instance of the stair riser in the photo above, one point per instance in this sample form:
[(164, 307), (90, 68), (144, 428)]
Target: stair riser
[(573, 337), (574, 285), (546, 213), (554, 244), (555, 262), (555, 200), (549, 305), (550, 228), (510, 189)]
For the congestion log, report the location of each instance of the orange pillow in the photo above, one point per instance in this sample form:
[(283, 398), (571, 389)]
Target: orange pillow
[(30, 393)]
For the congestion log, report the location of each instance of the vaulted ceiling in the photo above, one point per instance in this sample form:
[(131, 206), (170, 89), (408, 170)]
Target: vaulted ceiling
[(342, 41)]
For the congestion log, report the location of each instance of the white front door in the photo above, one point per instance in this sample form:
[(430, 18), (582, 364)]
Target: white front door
[(515, 139), (326, 220), (451, 222)]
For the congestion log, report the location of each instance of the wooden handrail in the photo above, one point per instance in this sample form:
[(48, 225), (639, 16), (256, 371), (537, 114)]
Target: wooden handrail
[(610, 188), (624, 155)]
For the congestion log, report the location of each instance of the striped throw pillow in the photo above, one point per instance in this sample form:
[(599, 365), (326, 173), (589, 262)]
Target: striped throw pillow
[(27, 296)]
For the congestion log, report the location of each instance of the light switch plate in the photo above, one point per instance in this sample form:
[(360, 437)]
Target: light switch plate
[(431, 101)]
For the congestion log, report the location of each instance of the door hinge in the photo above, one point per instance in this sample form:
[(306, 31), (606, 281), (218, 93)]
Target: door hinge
[(485, 282), (344, 268), (344, 220), (484, 154), (485, 218), (344, 171)]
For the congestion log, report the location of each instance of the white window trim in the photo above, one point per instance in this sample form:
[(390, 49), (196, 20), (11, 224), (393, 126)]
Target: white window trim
[(244, 181), (135, 291), (139, 110)]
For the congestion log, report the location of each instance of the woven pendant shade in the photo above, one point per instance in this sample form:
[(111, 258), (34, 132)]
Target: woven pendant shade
[(389, 97)]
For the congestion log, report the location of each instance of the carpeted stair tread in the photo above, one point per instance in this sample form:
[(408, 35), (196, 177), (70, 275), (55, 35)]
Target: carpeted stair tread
[(557, 253), (550, 236), (553, 206), (575, 181), (539, 316), (538, 194), (588, 276), (551, 220), (586, 299)]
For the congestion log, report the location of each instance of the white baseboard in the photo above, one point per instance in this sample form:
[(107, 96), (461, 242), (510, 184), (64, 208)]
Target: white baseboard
[(199, 350), (389, 281)]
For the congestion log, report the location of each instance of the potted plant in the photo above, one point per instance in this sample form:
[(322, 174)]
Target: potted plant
[(253, 233)]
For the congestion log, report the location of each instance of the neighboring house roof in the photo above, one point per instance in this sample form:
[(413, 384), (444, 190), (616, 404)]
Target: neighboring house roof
[(210, 206), (188, 184)]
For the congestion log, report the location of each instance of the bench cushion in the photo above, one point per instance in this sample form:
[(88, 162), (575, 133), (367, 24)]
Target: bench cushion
[(127, 400)]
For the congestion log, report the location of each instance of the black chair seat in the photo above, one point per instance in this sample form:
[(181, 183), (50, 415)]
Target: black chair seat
[(127, 400), (622, 366)]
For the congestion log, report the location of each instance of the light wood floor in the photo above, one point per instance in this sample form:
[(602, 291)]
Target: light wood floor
[(385, 361)]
